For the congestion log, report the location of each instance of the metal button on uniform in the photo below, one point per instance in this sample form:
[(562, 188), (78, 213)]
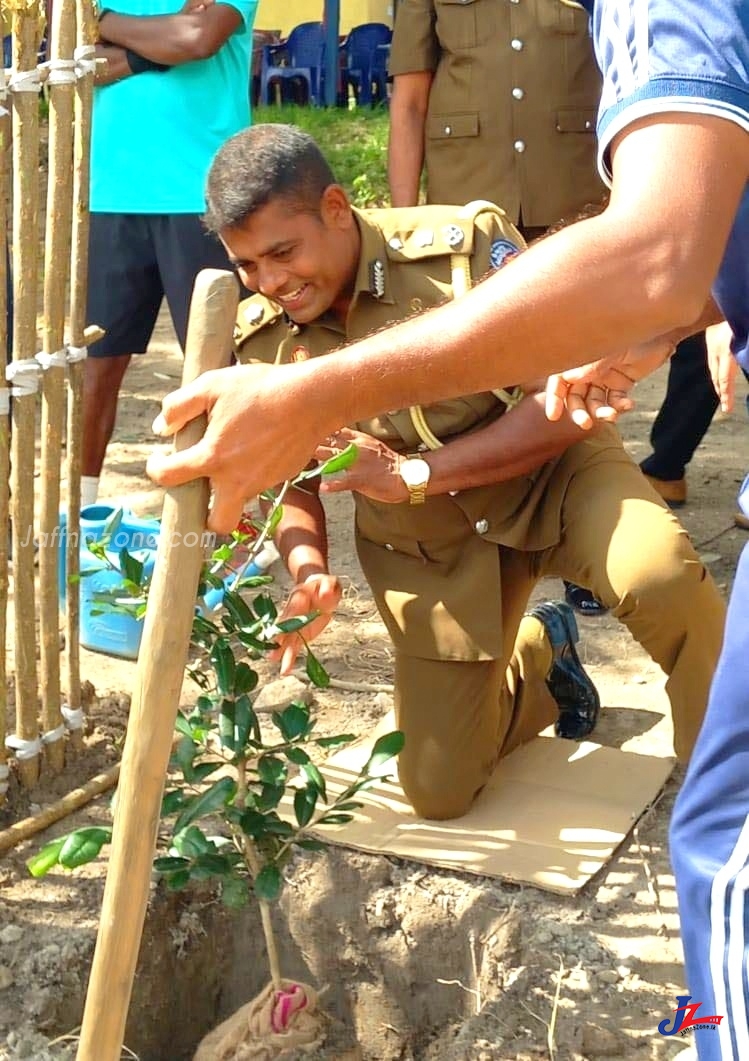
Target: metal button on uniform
[(589, 125), (389, 547), (448, 130), (514, 1), (481, 526), (516, 44), (395, 244), (517, 93), (519, 146)]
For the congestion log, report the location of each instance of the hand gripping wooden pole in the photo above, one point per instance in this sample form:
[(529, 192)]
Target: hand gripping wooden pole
[(158, 680)]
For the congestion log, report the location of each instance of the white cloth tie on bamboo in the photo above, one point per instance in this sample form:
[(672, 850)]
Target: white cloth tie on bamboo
[(25, 81), (74, 717), (24, 749), (3, 94), (4, 775), (25, 377), (85, 60), (57, 360), (52, 736), (60, 71), (4, 401), (76, 353)]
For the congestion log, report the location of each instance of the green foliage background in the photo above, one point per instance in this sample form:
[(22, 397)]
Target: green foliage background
[(354, 142)]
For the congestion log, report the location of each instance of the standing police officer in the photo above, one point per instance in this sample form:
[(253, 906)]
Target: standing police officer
[(499, 100)]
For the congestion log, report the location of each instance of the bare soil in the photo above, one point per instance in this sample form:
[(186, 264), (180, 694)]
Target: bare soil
[(415, 963)]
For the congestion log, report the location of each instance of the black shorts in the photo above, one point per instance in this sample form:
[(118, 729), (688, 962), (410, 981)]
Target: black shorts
[(135, 260)]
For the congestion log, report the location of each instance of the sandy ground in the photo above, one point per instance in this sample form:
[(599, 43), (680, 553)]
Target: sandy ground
[(424, 964)]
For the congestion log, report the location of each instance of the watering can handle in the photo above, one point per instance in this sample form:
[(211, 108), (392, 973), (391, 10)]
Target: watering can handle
[(158, 681)]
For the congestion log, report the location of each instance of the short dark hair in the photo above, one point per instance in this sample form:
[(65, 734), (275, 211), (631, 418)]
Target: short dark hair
[(262, 163)]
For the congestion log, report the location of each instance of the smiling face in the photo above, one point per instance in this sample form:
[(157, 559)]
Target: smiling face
[(306, 262)]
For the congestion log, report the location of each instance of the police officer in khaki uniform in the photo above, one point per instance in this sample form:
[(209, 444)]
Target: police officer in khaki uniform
[(460, 507), (499, 99)]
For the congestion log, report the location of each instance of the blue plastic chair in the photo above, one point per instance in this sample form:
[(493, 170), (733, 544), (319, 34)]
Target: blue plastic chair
[(7, 51), (300, 56), (366, 52)]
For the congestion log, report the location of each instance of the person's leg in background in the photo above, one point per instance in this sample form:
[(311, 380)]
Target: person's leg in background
[(709, 845), (687, 410), (124, 296)]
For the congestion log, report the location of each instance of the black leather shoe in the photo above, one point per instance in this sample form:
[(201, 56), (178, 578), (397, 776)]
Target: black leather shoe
[(574, 692)]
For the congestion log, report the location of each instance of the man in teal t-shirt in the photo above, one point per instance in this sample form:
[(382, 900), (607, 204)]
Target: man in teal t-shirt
[(175, 88)]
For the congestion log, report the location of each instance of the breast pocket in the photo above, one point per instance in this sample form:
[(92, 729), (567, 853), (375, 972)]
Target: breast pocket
[(561, 16), (452, 126), (457, 23)]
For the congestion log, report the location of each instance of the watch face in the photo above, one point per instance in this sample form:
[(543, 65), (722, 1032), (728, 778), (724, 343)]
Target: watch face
[(415, 472)]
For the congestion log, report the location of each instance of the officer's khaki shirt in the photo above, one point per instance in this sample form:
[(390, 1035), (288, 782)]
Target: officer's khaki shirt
[(434, 569), (512, 107)]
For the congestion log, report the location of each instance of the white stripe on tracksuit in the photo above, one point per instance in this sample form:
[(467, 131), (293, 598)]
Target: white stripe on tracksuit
[(730, 998)]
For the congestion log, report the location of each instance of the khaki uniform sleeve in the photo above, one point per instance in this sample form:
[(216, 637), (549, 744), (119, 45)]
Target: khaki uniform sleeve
[(259, 331), (415, 46)]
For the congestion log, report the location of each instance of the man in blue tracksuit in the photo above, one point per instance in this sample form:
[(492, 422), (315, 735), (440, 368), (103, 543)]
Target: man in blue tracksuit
[(674, 144)]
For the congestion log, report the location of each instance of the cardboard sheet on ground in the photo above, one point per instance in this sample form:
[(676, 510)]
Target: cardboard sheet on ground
[(552, 815)]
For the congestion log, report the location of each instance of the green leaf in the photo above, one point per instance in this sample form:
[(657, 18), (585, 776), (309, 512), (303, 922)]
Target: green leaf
[(83, 846), (234, 893), (265, 609), (182, 726), (132, 569), (335, 742), (43, 861), (222, 660), (254, 824), (315, 670), (297, 755), (218, 795), (176, 881), (305, 800), (293, 721), (245, 679), (173, 801), (310, 845), (315, 778), (272, 771), (170, 864), (244, 719), (192, 842), (270, 796), (268, 884), (341, 461), (210, 865), (184, 753), (386, 747), (238, 609), (335, 819), (290, 626)]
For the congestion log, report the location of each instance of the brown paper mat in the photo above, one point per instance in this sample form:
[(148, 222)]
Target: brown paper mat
[(552, 814)]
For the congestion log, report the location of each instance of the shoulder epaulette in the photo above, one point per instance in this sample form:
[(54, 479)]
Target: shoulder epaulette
[(416, 233), (254, 314)]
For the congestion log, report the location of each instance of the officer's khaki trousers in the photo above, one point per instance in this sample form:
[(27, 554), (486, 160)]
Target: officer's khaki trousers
[(622, 542)]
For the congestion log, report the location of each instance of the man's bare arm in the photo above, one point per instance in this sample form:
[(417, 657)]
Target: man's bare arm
[(172, 39), (408, 111)]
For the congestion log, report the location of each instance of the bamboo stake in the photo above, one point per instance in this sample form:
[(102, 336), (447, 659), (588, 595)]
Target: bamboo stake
[(57, 244), (86, 35), (73, 801), (4, 423), (158, 680), (26, 20)]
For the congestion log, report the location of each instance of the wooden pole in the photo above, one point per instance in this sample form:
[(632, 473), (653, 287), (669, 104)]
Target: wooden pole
[(158, 680), (4, 424), (26, 20), (57, 241), (86, 36)]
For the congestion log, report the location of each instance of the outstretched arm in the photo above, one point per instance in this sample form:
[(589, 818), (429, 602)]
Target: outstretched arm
[(640, 269), (408, 112)]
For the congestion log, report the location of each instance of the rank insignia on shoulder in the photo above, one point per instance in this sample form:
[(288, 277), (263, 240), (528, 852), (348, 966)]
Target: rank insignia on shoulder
[(376, 278), (253, 313), (423, 237), (454, 235), (395, 244)]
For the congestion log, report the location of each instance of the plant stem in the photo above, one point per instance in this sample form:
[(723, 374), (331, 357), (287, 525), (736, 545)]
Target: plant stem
[(253, 861)]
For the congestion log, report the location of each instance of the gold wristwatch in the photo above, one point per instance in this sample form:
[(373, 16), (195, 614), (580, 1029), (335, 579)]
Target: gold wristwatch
[(415, 472)]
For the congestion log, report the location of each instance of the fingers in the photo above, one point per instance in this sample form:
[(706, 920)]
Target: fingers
[(556, 396), (183, 405)]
